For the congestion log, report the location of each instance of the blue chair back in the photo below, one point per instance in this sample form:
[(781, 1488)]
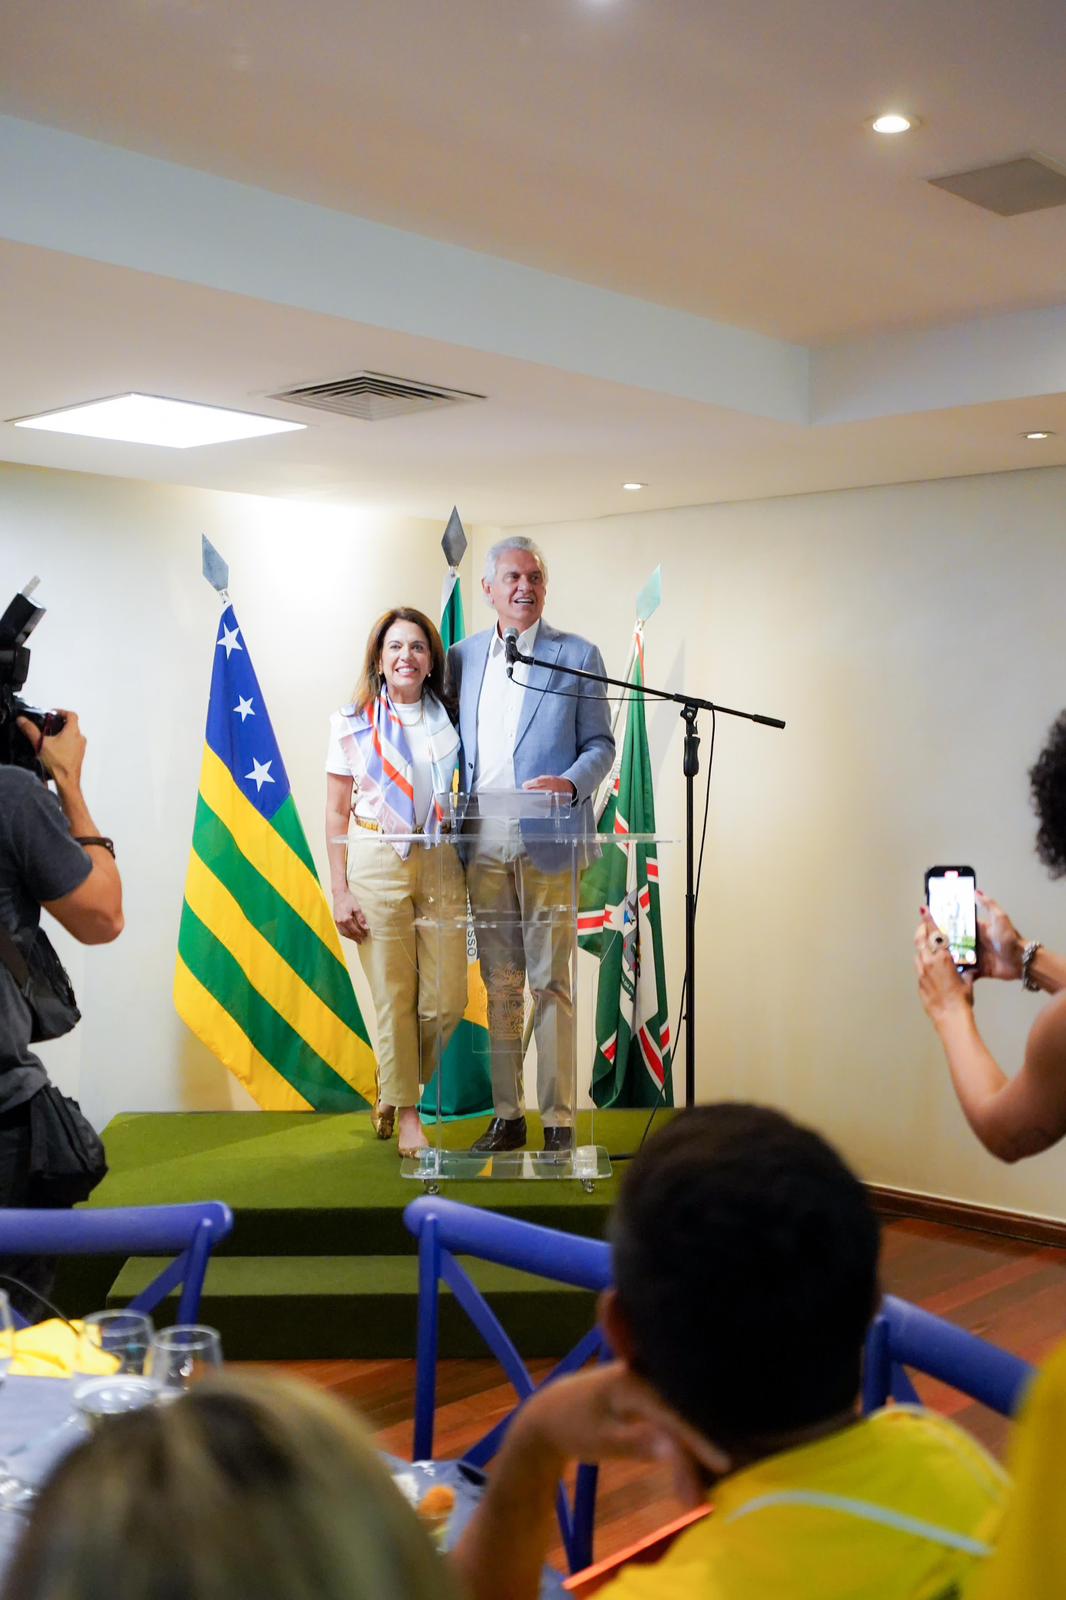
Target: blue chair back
[(903, 1335), (187, 1232), (445, 1230)]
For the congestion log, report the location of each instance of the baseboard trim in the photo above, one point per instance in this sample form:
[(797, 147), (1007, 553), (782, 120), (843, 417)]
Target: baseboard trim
[(960, 1214)]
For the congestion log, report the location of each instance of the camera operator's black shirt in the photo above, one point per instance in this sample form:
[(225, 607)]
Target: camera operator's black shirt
[(38, 861)]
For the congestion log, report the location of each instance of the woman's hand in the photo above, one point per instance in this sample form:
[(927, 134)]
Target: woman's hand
[(940, 988), (999, 944), (349, 917)]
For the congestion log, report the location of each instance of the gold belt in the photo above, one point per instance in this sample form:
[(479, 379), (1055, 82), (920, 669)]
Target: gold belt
[(374, 827)]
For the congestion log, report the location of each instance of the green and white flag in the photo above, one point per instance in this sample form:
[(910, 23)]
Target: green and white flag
[(452, 627), (466, 1085), (619, 921)]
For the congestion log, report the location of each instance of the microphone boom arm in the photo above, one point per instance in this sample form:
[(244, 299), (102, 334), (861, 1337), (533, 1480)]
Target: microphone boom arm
[(647, 692)]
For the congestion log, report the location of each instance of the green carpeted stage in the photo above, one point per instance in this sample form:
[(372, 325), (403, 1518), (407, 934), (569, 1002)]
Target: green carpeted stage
[(319, 1262)]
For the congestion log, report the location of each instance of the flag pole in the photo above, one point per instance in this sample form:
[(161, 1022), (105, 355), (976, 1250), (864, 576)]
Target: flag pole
[(648, 602)]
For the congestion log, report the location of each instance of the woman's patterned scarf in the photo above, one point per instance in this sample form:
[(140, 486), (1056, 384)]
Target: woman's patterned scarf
[(379, 754)]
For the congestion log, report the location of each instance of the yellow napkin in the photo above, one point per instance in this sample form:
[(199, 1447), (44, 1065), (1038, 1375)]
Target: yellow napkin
[(51, 1350)]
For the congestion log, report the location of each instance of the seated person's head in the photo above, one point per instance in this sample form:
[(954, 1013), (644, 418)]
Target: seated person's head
[(246, 1488), (745, 1259)]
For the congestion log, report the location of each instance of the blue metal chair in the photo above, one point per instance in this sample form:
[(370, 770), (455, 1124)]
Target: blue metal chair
[(445, 1230), (189, 1232), (903, 1335)]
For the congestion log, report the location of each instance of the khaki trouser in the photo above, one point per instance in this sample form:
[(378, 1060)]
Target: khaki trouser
[(525, 924), (417, 975)]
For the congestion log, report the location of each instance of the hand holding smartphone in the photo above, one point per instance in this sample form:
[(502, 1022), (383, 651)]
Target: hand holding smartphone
[(951, 895)]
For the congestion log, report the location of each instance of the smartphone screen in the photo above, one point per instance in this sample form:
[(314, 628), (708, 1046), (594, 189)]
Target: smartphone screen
[(951, 895)]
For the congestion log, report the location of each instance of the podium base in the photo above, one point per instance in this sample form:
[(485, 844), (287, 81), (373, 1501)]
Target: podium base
[(588, 1164)]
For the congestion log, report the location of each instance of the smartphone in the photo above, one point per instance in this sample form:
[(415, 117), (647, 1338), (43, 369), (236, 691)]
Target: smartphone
[(951, 895)]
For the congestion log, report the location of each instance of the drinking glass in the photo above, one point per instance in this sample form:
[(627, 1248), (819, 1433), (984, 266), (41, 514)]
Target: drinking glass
[(7, 1336), (113, 1341), (14, 1494), (96, 1400), (109, 1365), (182, 1355)]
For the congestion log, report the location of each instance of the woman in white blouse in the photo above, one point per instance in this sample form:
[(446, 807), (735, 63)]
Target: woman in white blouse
[(393, 753)]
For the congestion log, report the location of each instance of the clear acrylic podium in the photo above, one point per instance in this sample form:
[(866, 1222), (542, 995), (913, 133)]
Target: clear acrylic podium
[(524, 1040)]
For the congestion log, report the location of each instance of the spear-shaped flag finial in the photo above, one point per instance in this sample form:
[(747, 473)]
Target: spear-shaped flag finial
[(454, 542), (650, 597), (215, 570)]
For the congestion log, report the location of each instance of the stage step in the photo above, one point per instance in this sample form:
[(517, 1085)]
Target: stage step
[(319, 1262), (277, 1308)]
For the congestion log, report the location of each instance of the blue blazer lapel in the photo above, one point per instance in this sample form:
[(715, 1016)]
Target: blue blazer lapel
[(549, 644), (470, 693)]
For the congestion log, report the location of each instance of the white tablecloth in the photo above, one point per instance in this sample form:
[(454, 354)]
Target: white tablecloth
[(37, 1427)]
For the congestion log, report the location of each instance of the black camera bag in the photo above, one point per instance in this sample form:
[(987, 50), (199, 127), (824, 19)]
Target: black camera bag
[(67, 1157), (43, 983)]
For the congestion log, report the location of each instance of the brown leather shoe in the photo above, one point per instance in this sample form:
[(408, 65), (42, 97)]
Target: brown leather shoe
[(503, 1133)]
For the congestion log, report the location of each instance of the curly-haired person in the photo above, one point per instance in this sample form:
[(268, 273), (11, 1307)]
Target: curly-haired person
[(1024, 1114)]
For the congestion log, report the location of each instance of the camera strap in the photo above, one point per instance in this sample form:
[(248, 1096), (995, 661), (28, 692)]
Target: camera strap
[(13, 959), (43, 983)]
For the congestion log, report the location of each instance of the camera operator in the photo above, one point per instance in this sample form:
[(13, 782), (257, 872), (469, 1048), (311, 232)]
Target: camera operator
[(51, 855)]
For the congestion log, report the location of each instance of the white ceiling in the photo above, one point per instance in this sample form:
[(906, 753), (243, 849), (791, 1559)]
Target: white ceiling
[(561, 170)]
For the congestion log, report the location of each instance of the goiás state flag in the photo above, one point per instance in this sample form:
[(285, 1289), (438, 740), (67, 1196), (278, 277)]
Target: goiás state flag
[(619, 921), (260, 976)]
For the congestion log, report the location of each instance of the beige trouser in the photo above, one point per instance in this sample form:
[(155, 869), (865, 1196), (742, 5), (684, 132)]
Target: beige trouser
[(417, 975), (526, 924)]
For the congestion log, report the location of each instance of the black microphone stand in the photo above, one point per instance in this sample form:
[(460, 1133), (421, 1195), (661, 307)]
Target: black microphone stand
[(691, 706)]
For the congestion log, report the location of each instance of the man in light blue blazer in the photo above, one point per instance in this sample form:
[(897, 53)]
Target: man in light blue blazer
[(544, 730)]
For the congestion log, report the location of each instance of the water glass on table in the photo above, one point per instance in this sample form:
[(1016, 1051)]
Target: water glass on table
[(114, 1341), (109, 1365), (180, 1356)]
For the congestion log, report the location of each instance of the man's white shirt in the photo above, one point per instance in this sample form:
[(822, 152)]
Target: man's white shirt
[(499, 710)]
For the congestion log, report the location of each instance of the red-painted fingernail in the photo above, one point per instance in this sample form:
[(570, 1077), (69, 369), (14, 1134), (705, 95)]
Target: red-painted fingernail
[(922, 912)]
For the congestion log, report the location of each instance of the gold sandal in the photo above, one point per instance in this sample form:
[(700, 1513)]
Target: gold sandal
[(383, 1120), (411, 1150)]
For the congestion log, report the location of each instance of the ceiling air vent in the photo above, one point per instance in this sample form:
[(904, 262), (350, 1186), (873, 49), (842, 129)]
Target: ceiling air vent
[(372, 396), (1010, 188)]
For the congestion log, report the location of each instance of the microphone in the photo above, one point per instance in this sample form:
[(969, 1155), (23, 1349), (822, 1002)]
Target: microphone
[(510, 649)]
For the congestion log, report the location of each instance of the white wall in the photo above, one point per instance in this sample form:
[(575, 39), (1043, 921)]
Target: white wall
[(128, 641), (913, 638)]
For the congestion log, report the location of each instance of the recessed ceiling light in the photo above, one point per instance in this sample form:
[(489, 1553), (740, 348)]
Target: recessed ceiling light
[(1039, 433), (633, 487), (893, 122), (149, 419)]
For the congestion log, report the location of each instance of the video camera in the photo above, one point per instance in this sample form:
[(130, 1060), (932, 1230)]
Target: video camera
[(16, 625)]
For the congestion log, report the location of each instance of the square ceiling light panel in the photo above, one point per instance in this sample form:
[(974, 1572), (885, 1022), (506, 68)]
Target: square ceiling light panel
[(150, 419)]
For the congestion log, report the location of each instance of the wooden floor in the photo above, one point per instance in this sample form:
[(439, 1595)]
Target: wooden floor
[(1010, 1292)]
